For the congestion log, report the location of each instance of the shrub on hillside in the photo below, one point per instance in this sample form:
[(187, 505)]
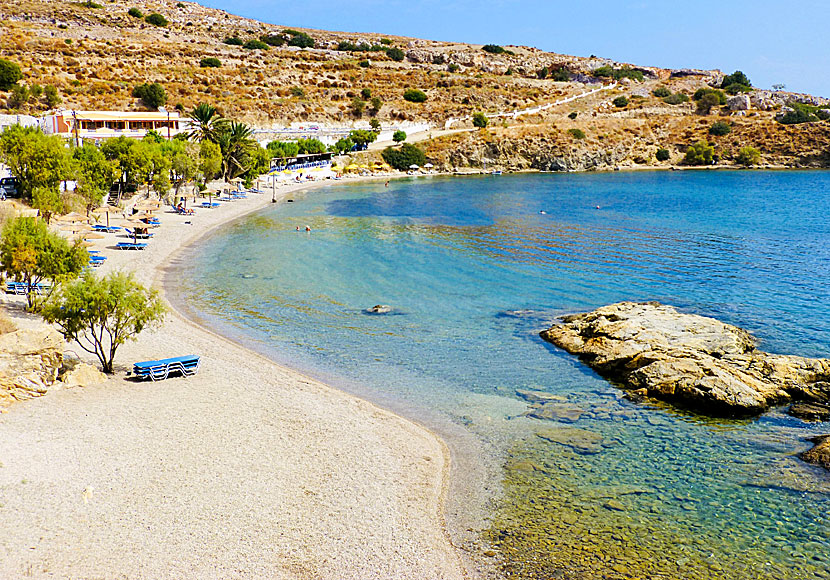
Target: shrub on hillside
[(736, 79), (543, 72), (234, 41), (210, 62), (273, 39), (618, 73), (480, 120), (700, 93), (661, 92), (301, 40), (561, 75), (398, 136), (620, 102), (748, 156), (576, 133), (254, 44), (572, 115), (9, 74), (720, 129), (414, 96), (135, 13), (662, 154), (705, 105), (453, 68), (493, 49), (364, 64), (151, 94), (401, 159), (676, 99), (156, 19), (395, 54), (701, 153)]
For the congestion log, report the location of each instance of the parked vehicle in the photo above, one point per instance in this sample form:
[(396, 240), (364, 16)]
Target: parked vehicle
[(10, 187)]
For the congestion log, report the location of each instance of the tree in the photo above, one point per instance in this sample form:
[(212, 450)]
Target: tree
[(50, 94), (358, 105), (736, 78), (700, 93), (543, 72), (151, 94), (376, 104), (94, 174), (9, 74), (662, 154), (362, 138), (156, 20), (206, 122), (620, 102), (401, 159), (748, 156), (375, 125), (48, 201), (236, 143), (398, 136), (395, 54), (701, 153), (705, 104), (480, 120), (283, 149), (414, 96), (310, 146), (101, 314), (493, 49), (37, 160), (366, 93), (19, 97), (184, 161), (343, 145), (210, 160), (132, 160), (30, 252), (234, 41)]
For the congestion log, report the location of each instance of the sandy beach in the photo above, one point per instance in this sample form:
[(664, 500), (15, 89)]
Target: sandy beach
[(245, 470)]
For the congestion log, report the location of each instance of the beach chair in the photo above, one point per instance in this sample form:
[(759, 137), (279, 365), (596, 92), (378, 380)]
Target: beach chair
[(209, 205), (106, 229), (158, 370), (137, 235), (130, 246)]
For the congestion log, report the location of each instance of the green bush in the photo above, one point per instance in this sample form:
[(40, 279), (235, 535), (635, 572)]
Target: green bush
[(273, 39), (151, 94), (254, 44), (395, 54), (700, 93), (802, 113), (620, 102), (561, 75), (576, 133), (572, 115), (398, 136), (543, 72), (676, 99), (493, 49), (402, 158), (386, 41), (301, 40), (90, 4), (9, 74), (135, 13), (210, 62), (736, 78), (701, 153), (480, 120), (414, 96), (661, 92), (297, 92), (156, 20), (366, 93), (748, 156), (618, 73), (704, 105), (720, 129), (364, 64), (662, 154), (453, 68), (234, 41), (735, 89)]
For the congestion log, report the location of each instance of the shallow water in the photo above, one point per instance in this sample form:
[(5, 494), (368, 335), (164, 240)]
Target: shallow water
[(475, 267)]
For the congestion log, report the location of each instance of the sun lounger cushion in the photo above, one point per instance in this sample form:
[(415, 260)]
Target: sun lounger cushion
[(158, 370), (130, 246)]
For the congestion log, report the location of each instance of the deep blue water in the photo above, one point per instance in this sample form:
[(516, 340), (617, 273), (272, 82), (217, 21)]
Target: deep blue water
[(475, 267)]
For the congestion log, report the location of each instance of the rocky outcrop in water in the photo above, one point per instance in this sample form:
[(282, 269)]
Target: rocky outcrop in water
[(820, 453), (653, 350)]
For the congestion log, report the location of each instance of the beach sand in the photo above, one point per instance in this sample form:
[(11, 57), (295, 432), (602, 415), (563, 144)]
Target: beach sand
[(245, 470)]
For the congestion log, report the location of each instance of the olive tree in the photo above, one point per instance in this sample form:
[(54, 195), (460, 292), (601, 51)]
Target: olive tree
[(101, 314), (30, 252)]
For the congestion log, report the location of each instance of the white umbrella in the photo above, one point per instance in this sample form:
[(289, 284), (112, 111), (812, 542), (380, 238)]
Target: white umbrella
[(429, 166), (413, 166)]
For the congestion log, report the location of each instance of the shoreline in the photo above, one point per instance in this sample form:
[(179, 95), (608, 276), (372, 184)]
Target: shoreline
[(391, 524)]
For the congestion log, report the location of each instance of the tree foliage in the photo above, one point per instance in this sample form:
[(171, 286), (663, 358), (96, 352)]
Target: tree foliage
[(30, 253), (480, 120), (402, 158), (705, 104), (206, 122), (9, 74), (283, 149), (307, 146), (101, 314), (399, 136), (620, 102), (156, 19), (395, 54), (701, 153), (94, 174), (414, 96), (37, 160), (151, 94), (210, 62), (720, 128), (748, 156), (662, 154)]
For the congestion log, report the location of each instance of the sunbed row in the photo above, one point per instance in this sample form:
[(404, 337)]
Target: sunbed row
[(158, 370)]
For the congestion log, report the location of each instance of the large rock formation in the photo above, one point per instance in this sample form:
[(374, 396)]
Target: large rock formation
[(654, 350), (29, 363)]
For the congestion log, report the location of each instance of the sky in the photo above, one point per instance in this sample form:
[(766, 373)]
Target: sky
[(768, 40)]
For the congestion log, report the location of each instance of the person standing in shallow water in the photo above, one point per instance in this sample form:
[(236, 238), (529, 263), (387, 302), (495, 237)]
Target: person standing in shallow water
[(307, 228)]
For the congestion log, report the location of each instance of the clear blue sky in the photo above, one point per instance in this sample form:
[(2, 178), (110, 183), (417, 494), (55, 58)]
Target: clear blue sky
[(771, 41)]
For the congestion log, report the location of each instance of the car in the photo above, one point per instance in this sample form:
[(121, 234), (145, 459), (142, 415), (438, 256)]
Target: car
[(10, 186)]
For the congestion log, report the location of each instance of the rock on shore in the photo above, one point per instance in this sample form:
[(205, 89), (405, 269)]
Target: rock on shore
[(694, 361), (29, 363)]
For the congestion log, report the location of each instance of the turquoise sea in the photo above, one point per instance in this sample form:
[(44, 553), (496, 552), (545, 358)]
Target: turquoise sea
[(474, 268)]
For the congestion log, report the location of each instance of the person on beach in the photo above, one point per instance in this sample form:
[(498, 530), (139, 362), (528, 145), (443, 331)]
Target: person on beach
[(387, 184)]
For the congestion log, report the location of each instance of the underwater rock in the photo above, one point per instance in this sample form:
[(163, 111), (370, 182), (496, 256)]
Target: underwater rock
[(820, 453), (694, 361), (580, 440), (556, 412), (810, 411), (539, 396)]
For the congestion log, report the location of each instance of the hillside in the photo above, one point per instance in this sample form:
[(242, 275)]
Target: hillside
[(96, 53)]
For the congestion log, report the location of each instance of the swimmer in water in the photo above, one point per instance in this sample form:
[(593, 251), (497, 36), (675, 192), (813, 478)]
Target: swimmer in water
[(387, 184), (308, 229), (543, 212), (298, 228), (597, 207)]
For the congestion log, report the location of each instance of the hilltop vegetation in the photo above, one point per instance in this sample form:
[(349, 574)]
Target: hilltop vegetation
[(110, 56)]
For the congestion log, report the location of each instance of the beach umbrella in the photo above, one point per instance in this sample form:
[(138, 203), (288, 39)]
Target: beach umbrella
[(92, 236), (107, 209), (429, 166), (413, 166), (76, 228), (148, 205), (74, 217)]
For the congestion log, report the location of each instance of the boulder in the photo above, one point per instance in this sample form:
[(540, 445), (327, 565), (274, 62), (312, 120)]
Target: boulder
[(690, 360), (810, 411), (739, 103), (820, 453), (581, 441), (29, 363), (83, 375)]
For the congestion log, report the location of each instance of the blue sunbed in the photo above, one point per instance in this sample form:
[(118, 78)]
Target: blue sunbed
[(20, 288), (138, 235), (158, 370), (106, 229), (130, 246), (207, 204)]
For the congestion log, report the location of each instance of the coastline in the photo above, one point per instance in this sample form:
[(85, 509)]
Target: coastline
[(342, 488)]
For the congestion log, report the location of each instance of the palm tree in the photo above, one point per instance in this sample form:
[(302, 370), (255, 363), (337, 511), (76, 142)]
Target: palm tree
[(205, 122), (235, 141)]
